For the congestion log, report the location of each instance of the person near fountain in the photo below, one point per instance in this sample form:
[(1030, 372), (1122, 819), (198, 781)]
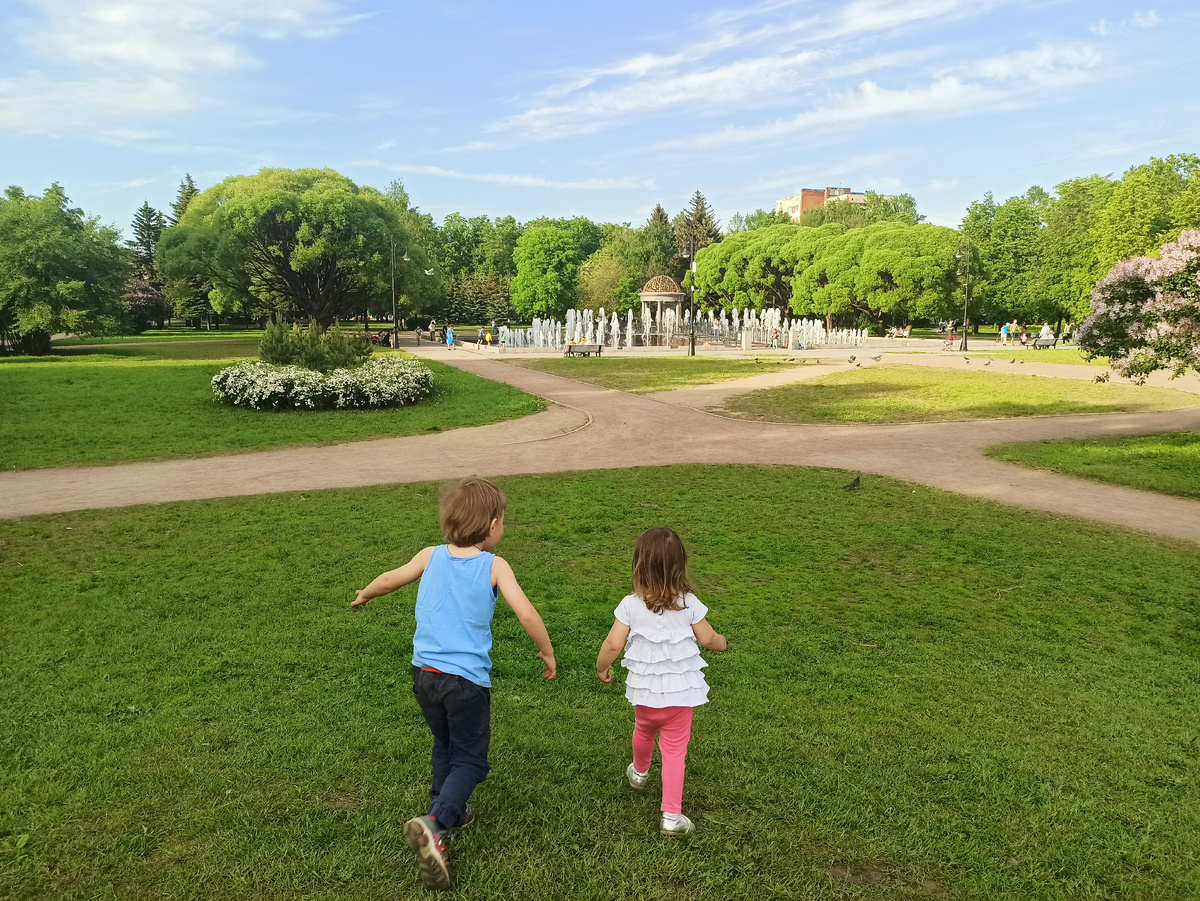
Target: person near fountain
[(451, 665), (661, 627)]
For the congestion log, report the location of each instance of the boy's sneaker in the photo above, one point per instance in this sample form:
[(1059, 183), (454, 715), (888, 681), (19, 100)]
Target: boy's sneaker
[(677, 824), (637, 781), (422, 835)]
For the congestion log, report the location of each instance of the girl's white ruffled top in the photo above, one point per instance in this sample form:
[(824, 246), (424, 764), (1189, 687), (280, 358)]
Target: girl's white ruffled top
[(661, 654)]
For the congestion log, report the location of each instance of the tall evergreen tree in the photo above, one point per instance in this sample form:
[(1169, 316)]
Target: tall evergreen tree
[(148, 225), (187, 190), (696, 226), (144, 298)]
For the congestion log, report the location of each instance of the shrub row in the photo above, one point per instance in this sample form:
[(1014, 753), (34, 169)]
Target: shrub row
[(381, 382)]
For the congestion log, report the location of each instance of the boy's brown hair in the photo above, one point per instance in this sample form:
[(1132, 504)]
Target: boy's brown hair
[(660, 570), (467, 509)]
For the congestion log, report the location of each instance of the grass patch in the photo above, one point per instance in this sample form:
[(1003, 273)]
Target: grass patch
[(83, 412), (644, 375), (210, 349), (1071, 355), (916, 393), (1168, 464), (924, 694), (167, 334)]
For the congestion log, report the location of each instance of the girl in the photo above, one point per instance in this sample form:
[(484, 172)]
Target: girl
[(659, 626)]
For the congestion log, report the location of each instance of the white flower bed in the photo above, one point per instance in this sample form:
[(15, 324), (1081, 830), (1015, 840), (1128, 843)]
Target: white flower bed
[(381, 382)]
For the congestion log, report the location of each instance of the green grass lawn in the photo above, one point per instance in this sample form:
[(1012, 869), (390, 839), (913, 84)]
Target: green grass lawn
[(222, 348), (1169, 464), (1070, 354), (898, 393), (924, 695), (644, 375), (89, 410), (155, 335)]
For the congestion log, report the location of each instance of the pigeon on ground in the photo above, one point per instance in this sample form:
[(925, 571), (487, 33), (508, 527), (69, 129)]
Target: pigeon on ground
[(857, 365), (853, 485), (852, 359), (968, 359), (1012, 361), (1022, 362), (988, 363), (878, 358)]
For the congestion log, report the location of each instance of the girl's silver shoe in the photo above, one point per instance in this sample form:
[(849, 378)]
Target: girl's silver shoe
[(677, 824), (637, 781)]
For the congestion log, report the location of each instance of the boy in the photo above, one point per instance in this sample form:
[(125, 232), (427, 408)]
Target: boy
[(451, 665)]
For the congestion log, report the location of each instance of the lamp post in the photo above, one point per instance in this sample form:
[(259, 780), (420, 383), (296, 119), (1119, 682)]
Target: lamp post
[(958, 255), (395, 322), (692, 296)]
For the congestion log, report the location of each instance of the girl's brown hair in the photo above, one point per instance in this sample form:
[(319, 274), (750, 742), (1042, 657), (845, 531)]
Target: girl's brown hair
[(660, 571), (467, 509)]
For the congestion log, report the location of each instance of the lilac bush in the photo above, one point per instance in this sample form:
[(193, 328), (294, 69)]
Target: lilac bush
[(381, 382), (1146, 312)]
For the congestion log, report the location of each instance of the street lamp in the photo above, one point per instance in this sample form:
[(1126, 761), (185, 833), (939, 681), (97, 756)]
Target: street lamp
[(395, 320), (958, 255), (692, 297)]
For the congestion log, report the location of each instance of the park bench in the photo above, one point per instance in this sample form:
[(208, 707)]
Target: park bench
[(1039, 343), (583, 349)]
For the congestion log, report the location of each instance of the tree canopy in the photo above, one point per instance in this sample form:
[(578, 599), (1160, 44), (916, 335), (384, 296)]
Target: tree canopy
[(307, 241), (59, 270), (887, 268)]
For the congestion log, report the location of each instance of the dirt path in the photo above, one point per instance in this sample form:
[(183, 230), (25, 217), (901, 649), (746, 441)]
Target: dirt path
[(588, 427)]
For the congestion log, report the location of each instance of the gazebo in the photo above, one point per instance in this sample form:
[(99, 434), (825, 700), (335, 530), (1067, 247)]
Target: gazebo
[(662, 289)]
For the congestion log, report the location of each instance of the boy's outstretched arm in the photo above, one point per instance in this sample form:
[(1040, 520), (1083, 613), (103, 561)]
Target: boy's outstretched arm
[(393, 579), (527, 615), (612, 647)]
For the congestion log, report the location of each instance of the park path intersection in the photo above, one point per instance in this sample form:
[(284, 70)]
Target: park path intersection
[(588, 427)]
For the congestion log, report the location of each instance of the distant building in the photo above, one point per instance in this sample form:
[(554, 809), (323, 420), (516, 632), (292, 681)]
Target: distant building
[(808, 198)]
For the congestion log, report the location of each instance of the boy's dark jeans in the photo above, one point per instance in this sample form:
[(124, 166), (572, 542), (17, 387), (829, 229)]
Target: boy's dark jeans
[(459, 714)]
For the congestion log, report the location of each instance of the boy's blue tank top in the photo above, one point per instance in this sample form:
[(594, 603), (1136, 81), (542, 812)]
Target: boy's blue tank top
[(455, 605)]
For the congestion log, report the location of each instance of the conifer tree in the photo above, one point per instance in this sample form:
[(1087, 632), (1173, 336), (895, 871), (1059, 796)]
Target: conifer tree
[(148, 225), (187, 190), (696, 226)]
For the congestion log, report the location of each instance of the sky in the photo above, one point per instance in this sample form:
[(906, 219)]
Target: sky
[(595, 109)]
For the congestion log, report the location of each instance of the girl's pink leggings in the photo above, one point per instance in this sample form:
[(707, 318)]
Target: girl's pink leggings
[(673, 725)]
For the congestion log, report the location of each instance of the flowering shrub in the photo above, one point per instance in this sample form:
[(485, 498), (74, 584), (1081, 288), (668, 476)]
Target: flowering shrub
[(1146, 313), (381, 382)]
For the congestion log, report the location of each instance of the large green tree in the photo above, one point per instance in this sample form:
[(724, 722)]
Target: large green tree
[(60, 271), (309, 241), (696, 227), (548, 258)]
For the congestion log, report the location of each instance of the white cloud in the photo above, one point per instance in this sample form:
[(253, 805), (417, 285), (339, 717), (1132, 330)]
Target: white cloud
[(592, 100), (1140, 20), (737, 83), (620, 183), (102, 66), (867, 103), (1048, 63)]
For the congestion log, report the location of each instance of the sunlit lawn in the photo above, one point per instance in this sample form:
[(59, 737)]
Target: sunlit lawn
[(899, 393), (647, 374), (92, 410), (924, 695), (1169, 464)]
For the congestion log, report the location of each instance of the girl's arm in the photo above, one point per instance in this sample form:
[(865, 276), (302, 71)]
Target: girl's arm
[(611, 649), (527, 615), (396, 578), (708, 637)]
